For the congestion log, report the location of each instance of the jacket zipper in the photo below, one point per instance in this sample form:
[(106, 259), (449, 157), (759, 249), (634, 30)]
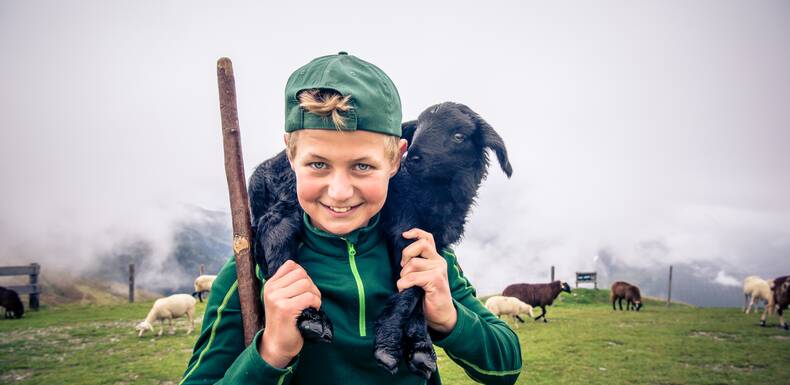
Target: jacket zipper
[(352, 252)]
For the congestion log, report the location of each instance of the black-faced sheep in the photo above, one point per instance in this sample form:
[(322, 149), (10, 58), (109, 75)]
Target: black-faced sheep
[(512, 306), (754, 289), (9, 300), (624, 290), (203, 285), (537, 294), (433, 190), (168, 308), (781, 299)]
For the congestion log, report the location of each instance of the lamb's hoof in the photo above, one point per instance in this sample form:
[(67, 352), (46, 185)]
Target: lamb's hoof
[(762, 323), (422, 360), (786, 327), (387, 359), (315, 326)]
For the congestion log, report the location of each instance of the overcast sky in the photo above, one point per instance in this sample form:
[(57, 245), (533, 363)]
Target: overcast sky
[(657, 131)]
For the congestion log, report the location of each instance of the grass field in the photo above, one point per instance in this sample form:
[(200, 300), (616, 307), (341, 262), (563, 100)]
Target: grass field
[(585, 342)]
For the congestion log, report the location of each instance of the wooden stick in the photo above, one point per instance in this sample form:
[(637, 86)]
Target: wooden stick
[(248, 285)]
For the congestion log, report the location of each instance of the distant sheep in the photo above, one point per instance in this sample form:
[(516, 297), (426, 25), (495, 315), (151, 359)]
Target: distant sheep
[(625, 291), (756, 288), (781, 299), (168, 308), (203, 285), (10, 301), (537, 294), (512, 306)]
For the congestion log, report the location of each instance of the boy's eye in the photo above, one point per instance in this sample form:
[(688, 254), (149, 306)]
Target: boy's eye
[(363, 167), (318, 165)]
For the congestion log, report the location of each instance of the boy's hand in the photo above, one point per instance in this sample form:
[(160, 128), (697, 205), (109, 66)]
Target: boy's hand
[(424, 267), (289, 291)]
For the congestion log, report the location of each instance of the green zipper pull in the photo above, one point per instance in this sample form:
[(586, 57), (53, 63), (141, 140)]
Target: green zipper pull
[(352, 252)]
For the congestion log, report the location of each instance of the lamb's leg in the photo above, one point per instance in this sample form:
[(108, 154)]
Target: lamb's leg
[(516, 316), (782, 322), (620, 302), (614, 300), (280, 241), (390, 325), (418, 347), (161, 327), (751, 303), (762, 317), (542, 315), (191, 315), (746, 303)]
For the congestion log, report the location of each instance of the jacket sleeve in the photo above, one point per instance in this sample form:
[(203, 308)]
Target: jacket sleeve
[(219, 356), (495, 357)]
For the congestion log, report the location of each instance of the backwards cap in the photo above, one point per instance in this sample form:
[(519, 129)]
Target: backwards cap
[(375, 103)]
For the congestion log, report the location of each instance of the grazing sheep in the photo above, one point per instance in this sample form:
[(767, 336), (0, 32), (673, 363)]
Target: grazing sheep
[(756, 288), (633, 298), (537, 294), (10, 301), (512, 306), (203, 285), (168, 308), (433, 190), (781, 299), (623, 290)]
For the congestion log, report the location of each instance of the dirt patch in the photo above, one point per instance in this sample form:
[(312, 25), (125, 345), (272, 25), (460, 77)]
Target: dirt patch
[(783, 338), (614, 343), (16, 375), (731, 368), (716, 336)]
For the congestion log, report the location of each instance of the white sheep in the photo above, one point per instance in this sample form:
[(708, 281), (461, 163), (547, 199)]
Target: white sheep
[(174, 306), (500, 305), (203, 285), (757, 288)]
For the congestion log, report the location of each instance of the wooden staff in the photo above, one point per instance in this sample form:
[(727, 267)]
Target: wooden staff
[(248, 285)]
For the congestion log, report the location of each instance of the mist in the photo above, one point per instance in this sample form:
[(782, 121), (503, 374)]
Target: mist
[(641, 134)]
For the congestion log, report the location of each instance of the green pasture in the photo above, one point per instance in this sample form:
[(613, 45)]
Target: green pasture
[(584, 342)]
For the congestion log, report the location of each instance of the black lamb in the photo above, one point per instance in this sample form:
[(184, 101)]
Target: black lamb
[(537, 294), (433, 190), (780, 288), (9, 300)]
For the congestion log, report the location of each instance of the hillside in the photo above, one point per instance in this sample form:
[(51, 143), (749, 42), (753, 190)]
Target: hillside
[(584, 342)]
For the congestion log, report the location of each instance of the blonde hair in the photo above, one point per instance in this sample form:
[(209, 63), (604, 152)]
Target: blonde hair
[(325, 102)]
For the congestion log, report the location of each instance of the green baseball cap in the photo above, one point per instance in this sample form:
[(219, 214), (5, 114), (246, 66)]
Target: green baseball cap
[(375, 102)]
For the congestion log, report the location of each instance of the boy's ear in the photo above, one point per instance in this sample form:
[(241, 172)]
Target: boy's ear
[(287, 155), (402, 147)]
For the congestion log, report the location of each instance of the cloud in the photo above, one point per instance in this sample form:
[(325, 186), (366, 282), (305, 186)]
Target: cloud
[(723, 279)]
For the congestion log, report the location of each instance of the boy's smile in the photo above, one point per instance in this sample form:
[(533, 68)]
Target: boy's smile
[(341, 177)]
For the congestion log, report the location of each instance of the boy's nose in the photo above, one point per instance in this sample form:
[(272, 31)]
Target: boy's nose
[(340, 188)]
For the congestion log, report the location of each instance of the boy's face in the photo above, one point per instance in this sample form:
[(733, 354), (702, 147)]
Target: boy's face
[(342, 177)]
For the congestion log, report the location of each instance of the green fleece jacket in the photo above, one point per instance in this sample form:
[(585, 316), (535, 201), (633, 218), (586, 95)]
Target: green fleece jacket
[(355, 281)]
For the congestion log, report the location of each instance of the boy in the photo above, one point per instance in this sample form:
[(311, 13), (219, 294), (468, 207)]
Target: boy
[(343, 142)]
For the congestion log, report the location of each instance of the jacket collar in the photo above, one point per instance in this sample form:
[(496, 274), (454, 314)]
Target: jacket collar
[(364, 238)]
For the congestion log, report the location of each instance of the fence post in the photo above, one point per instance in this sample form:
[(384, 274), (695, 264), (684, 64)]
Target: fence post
[(669, 294), (552, 273), (202, 269), (34, 283), (131, 282)]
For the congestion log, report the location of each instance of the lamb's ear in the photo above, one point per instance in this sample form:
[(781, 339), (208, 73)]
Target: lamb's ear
[(408, 129), (493, 141)]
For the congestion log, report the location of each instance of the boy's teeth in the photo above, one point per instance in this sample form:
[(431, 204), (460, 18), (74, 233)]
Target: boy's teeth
[(340, 209)]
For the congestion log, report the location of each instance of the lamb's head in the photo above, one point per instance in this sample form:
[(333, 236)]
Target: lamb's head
[(143, 326), (638, 304), (565, 287), (449, 138)]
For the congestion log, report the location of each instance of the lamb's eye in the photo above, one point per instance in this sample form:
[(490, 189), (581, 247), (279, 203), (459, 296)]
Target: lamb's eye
[(459, 137), (318, 165)]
